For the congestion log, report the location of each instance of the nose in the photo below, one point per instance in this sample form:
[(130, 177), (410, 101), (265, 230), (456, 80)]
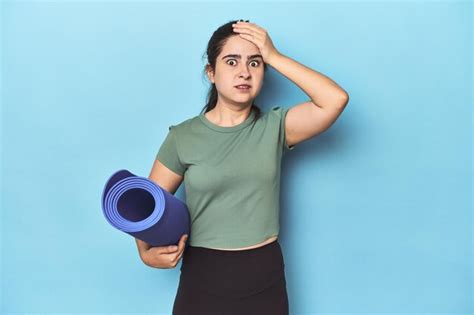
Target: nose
[(244, 72)]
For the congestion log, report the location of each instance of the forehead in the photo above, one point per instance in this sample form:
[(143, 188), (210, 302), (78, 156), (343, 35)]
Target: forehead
[(239, 46)]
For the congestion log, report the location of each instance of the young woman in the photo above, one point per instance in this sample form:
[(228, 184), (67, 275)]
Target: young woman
[(229, 157)]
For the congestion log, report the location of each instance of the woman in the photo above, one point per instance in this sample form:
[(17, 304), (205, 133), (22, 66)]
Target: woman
[(229, 157)]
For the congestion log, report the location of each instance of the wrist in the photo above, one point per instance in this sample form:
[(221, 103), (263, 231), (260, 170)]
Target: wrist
[(272, 58)]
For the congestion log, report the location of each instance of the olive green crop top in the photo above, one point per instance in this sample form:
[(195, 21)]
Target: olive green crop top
[(231, 177)]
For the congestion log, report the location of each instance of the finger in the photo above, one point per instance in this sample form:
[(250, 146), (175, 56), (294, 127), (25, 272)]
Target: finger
[(177, 256), (182, 242), (171, 249), (242, 30), (182, 245), (241, 26), (171, 255), (253, 25), (250, 26), (245, 32), (248, 37), (180, 255)]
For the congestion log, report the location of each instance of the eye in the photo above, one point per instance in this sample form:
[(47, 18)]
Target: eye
[(258, 62), (253, 61), (230, 60)]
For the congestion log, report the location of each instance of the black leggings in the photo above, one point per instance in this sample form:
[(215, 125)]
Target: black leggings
[(227, 282)]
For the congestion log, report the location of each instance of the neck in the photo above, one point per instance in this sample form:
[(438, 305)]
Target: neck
[(228, 116)]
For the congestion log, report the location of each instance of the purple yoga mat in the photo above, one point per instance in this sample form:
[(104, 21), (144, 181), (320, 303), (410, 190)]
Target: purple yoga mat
[(138, 206)]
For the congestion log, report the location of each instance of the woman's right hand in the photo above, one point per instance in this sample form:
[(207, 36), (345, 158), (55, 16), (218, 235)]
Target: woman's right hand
[(165, 257)]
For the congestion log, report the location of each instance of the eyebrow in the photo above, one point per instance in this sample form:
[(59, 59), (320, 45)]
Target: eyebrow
[(240, 57)]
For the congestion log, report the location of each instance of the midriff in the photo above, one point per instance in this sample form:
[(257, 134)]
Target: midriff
[(267, 241)]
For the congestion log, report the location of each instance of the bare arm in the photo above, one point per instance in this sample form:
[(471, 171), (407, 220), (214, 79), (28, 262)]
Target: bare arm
[(168, 180), (310, 118)]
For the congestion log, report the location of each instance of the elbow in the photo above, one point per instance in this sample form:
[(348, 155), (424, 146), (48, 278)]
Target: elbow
[(145, 260), (345, 96), (344, 100)]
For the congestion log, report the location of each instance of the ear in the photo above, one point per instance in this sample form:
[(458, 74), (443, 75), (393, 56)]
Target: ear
[(210, 73)]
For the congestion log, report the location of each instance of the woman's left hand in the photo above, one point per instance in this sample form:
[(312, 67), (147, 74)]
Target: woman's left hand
[(258, 36)]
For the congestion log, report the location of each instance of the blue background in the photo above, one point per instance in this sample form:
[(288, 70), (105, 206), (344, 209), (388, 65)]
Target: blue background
[(376, 212)]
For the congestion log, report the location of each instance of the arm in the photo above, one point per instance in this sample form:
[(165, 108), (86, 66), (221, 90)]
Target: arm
[(310, 118), (167, 180), (327, 98)]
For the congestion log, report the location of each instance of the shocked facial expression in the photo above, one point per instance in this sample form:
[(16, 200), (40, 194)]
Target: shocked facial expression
[(239, 63)]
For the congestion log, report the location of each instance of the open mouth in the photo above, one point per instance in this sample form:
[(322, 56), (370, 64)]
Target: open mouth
[(243, 87)]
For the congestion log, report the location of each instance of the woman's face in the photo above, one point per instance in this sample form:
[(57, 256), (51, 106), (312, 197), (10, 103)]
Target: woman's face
[(239, 62)]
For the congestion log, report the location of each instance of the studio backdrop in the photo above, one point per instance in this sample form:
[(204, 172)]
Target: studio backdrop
[(376, 212)]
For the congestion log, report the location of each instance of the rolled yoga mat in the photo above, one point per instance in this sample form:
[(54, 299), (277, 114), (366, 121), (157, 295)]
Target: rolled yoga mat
[(138, 206)]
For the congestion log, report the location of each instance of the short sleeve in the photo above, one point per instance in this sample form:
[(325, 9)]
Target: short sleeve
[(281, 116), (168, 153)]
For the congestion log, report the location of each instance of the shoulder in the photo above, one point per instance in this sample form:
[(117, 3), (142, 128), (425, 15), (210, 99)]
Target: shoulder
[(277, 110), (276, 113), (183, 124)]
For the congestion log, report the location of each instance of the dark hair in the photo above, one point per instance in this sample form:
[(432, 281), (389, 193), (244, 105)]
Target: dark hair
[(214, 48)]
